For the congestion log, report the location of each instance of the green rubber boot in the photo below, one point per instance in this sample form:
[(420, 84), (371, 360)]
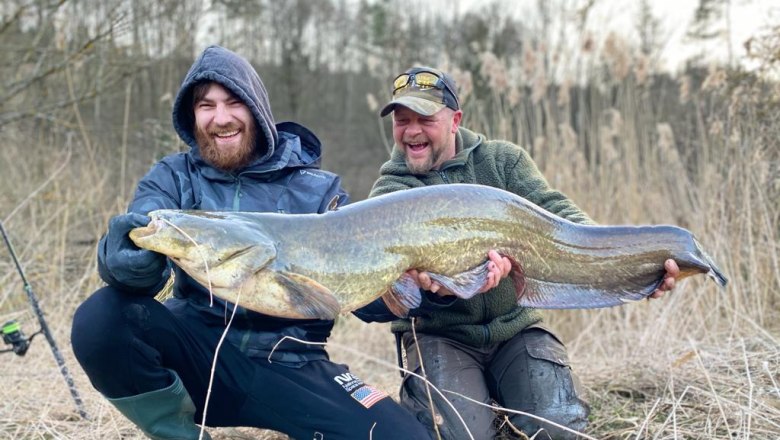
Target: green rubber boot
[(165, 414)]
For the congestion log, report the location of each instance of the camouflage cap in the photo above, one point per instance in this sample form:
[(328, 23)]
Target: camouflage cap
[(424, 100)]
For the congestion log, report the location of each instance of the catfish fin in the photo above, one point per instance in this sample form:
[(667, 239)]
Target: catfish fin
[(518, 278), (308, 297), (402, 296), (465, 284), (546, 295)]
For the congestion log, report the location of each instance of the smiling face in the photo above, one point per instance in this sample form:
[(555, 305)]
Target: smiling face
[(426, 141), (224, 128)]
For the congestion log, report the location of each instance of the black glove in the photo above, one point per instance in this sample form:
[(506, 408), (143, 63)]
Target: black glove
[(124, 265)]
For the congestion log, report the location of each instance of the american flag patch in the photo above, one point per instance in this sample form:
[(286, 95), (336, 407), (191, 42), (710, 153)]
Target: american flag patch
[(368, 395)]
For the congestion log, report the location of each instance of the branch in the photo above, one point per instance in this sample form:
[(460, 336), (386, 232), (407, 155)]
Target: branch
[(14, 18), (20, 86)]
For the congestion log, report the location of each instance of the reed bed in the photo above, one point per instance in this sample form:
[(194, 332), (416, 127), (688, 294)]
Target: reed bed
[(700, 363)]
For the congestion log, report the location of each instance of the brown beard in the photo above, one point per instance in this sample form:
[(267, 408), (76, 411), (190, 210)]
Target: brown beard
[(419, 168), (425, 167), (434, 160), (227, 161)]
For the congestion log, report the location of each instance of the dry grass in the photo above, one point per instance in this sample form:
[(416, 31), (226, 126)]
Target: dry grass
[(701, 363)]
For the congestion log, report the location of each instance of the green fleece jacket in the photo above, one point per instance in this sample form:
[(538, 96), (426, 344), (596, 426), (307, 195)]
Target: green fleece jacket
[(493, 316)]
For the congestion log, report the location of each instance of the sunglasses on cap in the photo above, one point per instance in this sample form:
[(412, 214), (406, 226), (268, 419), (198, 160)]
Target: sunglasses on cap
[(423, 80)]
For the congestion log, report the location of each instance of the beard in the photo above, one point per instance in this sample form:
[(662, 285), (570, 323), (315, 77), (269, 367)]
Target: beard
[(423, 166), (439, 152), (232, 159), (420, 167)]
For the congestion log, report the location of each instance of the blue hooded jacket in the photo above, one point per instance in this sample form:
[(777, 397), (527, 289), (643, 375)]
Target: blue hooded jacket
[(285, 178)]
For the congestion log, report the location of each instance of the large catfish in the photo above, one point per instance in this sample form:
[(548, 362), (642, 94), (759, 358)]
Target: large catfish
[(320, 265)]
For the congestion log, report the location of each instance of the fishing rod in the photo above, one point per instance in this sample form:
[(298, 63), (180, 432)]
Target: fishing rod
[(12, 333)]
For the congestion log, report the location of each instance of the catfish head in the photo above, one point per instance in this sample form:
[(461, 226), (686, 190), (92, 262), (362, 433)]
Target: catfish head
[(216, 249)]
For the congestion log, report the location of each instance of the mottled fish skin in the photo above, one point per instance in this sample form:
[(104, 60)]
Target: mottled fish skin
[(319, 265)]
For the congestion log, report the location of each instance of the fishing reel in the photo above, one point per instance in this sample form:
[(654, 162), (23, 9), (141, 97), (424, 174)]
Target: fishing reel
[(13, 336)]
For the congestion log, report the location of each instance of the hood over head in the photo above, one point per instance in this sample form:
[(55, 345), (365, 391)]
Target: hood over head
[(230, 70)]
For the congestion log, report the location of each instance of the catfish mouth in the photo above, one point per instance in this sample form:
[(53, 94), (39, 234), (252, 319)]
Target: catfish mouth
[(238, 253), (146, 231)]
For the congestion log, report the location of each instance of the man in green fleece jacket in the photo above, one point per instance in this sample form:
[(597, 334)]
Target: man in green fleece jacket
[(486, 348)]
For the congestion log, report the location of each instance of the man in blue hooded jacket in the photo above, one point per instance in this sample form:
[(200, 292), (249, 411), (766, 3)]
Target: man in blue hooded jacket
[(153, 361)]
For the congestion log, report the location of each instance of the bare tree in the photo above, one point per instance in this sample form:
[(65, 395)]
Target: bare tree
[(712, 21)]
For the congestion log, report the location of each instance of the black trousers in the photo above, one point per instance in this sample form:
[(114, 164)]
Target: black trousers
[(528, 373), (126, 343)]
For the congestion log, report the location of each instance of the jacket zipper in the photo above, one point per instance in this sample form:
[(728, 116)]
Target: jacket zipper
[(486, 332), (484, 316), (237, 195)]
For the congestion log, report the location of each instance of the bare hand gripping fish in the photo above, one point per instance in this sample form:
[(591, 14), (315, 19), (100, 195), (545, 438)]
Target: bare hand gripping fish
[(320, 265)]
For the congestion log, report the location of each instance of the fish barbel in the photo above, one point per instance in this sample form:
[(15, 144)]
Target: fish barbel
[(315, 266)]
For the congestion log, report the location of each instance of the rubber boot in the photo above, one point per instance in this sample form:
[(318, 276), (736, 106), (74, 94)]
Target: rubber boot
[(165, 414)]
